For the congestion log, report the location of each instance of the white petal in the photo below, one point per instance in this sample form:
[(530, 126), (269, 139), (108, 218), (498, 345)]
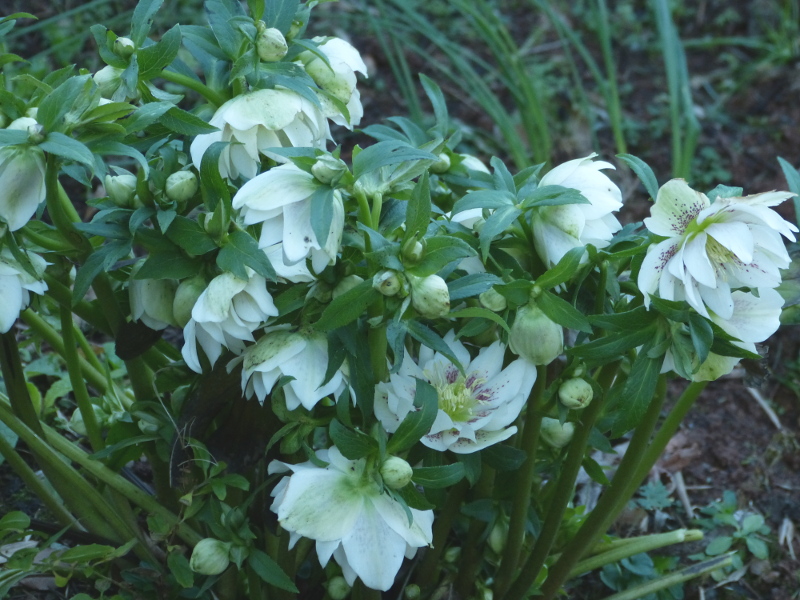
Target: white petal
[(676, 206), (11, 293), (697, 262), (734, 236)]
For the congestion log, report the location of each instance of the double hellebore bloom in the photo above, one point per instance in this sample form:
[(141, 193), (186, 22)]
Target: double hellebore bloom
[(226, 314), (344, 509), (302, 355), (713, 248), (22, 171), (475, 408), (259, 120), (559, 229), (281, 200), (16, 284)]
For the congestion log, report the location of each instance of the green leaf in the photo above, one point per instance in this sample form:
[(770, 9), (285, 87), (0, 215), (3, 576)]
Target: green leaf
[(185, 123), (418, 209), (212, 186), (100, 260), (439, 477), (440, 251), (413, 498), (471, 285), (85, 554), (719, 545), (418, 422), (643, 172), (553, 195), (15, 521), (503, 180), (154, 58), (432, 340), (792, 176), (240, 251), (169, 265), (142, 19), (269, 571), (630, 320), (351, 443), (757, 547), (612, 346), (68, 148), (594, 470), (387, 153), (496, 224), (566, 268), (752, 523), (477, 312), (637, 393), (60, 101), (348, 307), (179, 567), (280, 14), (491, 199), (12, 137), (724, 191), (562, 312), (120, 149), (436, 97), (189, 235), (702, 335), (322, 213)]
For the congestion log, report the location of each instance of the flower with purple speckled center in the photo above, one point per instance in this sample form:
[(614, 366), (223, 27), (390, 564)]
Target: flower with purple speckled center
[(476, 406), (713, 248)]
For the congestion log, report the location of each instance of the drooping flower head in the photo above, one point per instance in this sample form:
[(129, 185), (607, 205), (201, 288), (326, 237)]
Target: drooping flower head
[(16, 284), (22, 171), (559, 229), (253, 122), (713, 248), (280, 199), (475, 408), (344, 509), (226, 314)]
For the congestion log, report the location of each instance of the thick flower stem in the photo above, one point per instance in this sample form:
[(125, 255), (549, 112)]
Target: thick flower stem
[(521, 499), (471, 550), (562, 494), (213, 97), (63, 295)]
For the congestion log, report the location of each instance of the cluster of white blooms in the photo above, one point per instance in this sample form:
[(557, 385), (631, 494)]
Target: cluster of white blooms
[(713, 249)]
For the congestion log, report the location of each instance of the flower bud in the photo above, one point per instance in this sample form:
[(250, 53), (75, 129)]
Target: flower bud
[(185, 298), (387, 283), (493, 300), (328, 169), (556, 434), (121, 189), (441, 165), (329, 80), (338, 588), (575, 393), (413, 250), (346, 284), (124, 47), (181, 186), (270, 44), (452, 553), (396, 472), (499, 535), (429, 295), (107, 80), (535, 337), (210, 557), (29, 124), (412, 592)]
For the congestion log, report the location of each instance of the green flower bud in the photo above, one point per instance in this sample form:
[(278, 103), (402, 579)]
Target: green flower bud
[(346, 284), (535, 337), (270, 44), (107, 80), (296, 27), (429, 295), (499, 535), (452, 553), (387, 283), (210, 557), (575, 393), (185, 298), (328, 169), (413, 250), (329, 80), (338, 588), (32, 112), (121, 189), (412, 592), (124, 47), (181, 186), (556, 434), (442, 165), (396, 472), (493, 300)]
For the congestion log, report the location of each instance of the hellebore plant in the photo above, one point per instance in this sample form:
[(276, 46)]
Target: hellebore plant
[(401, 358)]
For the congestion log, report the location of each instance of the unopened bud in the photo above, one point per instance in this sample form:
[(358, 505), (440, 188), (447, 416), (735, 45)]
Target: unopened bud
[(107, 80), (210, 557), (452, 553), (346, 284), (32, 112), (124, 47), (328, 169), (575, 393), (271, 45), (329, 80), (493, 300), (185, 298), (387, 283), (499, 535), (338, 588), (121, 189), (29, 125), (441, 165), (181, 186), (412, 592), (396, 472), (535, 337), (413, 250), (556, 434), (429, 295)]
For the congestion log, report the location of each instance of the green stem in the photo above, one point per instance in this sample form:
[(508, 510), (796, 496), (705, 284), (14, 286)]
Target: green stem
[(562, 494), (377, 205), (521, 500), (62, 294), (60, 209), (637, 545), (86, 348), (651, 587), (364, 213), (471, 550), (45, 242), (213, 97), (85, 405), (14, 379)]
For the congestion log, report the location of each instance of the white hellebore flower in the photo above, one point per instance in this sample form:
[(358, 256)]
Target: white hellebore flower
[(281, 200), (337, 77), (151, 300), (559, 229), (344, 509), (713, 248), (299, 354), (475, 409), (226, 314), (754, 319), (22, 172), (259, 120), (15, 286)]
